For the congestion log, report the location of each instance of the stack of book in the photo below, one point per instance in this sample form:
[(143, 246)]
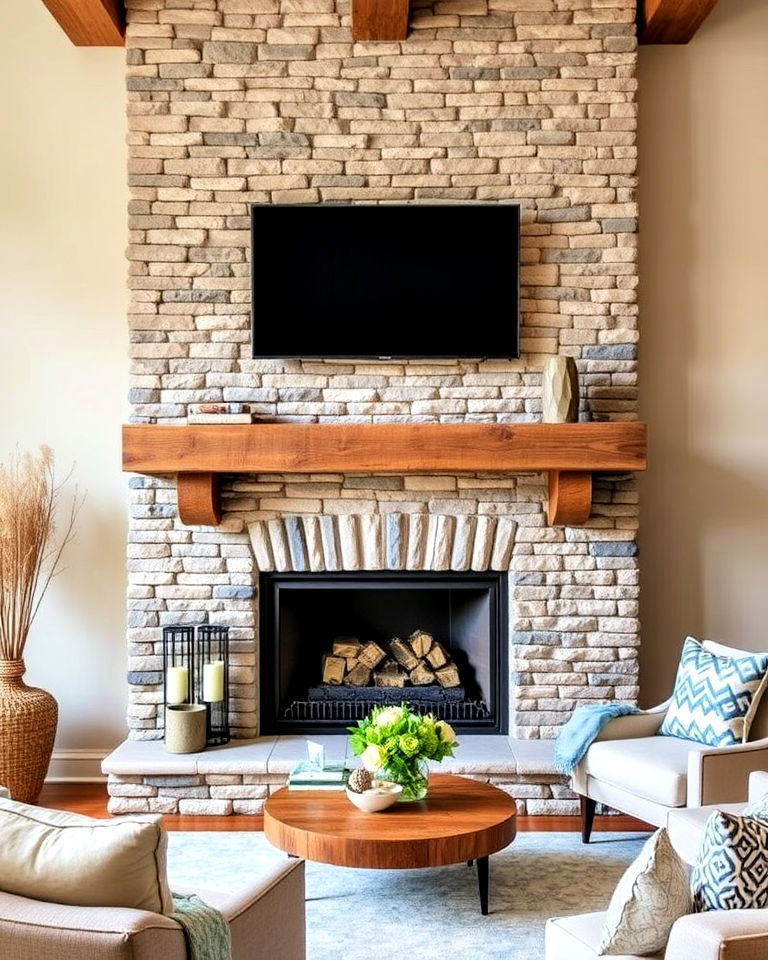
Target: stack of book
[(308, 776), (219, 413)]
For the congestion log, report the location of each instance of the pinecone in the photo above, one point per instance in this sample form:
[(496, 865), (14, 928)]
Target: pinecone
[(360, 780)]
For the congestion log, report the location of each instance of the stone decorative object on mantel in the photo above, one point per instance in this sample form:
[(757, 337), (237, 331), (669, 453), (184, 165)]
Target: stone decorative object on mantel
[(560, 390)]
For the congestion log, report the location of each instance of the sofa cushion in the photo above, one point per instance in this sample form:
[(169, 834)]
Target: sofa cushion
[(577, 938), (731, 869), (77, 861), (655, 768), (757, 808), (651, 895), (715, 697), (686, 827)]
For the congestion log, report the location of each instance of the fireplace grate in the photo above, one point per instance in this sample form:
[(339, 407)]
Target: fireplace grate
[(347, 711)]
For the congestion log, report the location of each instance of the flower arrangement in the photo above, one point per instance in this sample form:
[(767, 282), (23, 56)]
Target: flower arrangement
[(396, 743)]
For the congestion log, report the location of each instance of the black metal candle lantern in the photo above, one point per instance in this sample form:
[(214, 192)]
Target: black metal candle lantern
[(178, 665), (213, 681)]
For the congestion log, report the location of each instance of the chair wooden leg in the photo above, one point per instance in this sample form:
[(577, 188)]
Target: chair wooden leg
[(587, 817)]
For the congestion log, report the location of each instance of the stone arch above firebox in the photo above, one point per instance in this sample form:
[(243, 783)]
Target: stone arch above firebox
[(389, 541)]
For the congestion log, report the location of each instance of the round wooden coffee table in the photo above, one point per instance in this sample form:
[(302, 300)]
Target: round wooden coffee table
[(460, 820)]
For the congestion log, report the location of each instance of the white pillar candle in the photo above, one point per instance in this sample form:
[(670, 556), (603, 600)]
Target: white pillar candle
[(176, 684), (213, 681)]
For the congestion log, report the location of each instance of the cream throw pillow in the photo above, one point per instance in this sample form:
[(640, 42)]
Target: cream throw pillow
[(653, 893), (65, 858)]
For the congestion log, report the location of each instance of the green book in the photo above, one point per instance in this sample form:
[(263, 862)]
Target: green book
[(305, 772)]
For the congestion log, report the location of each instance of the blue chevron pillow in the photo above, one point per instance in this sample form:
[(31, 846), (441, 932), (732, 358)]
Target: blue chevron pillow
[(731, 869), (715, 697)]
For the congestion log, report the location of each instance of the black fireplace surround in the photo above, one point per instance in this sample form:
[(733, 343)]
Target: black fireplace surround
[(301, 614)]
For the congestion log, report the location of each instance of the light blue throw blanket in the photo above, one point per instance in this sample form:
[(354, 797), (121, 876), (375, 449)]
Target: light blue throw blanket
[(586, 722), (205, 929)]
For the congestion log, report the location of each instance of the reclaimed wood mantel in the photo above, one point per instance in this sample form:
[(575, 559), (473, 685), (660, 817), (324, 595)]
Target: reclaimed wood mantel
[(568, 452)]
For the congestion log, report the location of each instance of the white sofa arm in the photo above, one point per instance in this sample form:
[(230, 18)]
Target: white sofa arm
[(720, 774), (635, 725), (719, 935), (758, 785)]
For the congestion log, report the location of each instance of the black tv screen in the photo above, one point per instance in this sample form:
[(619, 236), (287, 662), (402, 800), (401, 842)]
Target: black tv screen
[(385, 281)]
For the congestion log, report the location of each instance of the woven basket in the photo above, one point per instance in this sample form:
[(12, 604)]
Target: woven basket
[(28, 719)]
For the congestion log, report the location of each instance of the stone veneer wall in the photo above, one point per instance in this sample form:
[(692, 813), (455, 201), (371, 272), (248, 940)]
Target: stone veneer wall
[(233, 102)]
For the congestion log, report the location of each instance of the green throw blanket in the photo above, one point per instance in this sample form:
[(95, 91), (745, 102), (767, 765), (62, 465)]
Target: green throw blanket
[(205, 929)]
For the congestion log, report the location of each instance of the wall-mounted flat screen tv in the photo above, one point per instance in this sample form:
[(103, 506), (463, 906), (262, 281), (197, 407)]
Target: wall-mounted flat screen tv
[(385, 281)]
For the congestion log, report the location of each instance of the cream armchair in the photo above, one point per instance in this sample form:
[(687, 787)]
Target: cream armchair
[(266, 922), (716, 935), (631, 769)]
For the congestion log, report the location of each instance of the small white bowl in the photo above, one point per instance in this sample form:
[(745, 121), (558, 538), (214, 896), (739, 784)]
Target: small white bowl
[(381, 795)]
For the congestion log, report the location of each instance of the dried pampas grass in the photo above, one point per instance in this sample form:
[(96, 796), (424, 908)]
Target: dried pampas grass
[(30, 550)]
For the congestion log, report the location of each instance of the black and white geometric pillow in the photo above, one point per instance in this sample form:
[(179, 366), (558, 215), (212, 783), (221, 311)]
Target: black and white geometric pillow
[(731, 869)]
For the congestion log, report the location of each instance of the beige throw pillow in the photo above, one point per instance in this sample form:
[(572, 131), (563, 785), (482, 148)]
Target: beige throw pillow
[(66, 858), (653, 893)]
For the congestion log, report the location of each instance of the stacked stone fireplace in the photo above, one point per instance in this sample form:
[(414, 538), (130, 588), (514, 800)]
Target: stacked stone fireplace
[(234, 102)]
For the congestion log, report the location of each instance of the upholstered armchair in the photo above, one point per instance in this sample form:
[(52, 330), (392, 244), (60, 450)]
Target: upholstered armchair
[(715, 935), (61, 875), (633, 770), (266, 921)]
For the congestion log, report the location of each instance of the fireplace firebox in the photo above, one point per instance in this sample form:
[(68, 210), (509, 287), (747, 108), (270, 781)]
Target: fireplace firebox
[(334, 645)]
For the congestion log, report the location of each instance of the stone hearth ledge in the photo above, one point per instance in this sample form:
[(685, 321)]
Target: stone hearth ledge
[(237, 778)]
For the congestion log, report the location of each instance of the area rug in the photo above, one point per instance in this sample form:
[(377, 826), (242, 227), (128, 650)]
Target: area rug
[(426, 914)]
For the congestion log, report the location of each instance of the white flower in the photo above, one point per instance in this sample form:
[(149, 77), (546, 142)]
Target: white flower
[(445, 731), (373, 758), (387, 716)]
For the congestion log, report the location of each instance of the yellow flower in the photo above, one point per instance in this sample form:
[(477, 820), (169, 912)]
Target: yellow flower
[(446, 731), (409, 744), (387, 716), (373, 758)]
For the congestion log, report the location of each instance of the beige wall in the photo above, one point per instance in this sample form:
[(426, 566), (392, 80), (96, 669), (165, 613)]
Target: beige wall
[(704, 153), (63, 367), (704, 338)]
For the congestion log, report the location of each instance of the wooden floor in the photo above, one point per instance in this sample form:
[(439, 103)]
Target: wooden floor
[(91, 799)]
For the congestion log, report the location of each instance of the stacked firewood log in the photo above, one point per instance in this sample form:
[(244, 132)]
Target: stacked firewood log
[(419, 660)]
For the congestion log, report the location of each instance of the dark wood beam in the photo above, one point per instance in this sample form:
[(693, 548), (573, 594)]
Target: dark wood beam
[(90, 23), (380, 19), (671, 21)]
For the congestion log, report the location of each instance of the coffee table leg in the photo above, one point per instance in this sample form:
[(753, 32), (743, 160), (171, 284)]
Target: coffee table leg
[(482, 879)]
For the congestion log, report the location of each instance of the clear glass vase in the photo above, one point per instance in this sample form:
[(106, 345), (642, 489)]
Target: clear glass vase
[(413, 777)]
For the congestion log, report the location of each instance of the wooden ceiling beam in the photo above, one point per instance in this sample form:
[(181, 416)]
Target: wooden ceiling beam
[(671, 21), (90, 23), (100, 23), (380, 19)]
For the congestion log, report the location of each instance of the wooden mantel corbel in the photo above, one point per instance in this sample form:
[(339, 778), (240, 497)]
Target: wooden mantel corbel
[(568, 452)]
